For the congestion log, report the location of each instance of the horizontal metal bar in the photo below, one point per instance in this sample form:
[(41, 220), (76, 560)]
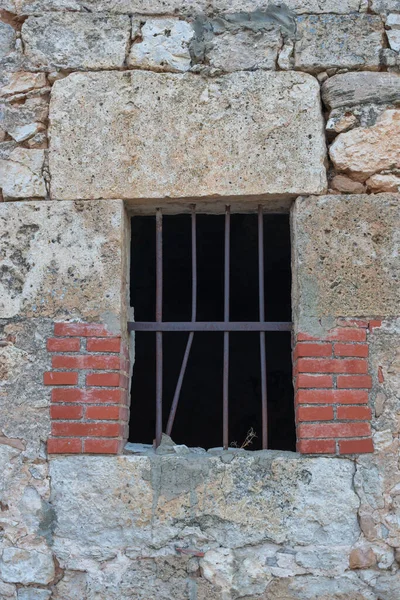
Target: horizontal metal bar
[(210, 326)]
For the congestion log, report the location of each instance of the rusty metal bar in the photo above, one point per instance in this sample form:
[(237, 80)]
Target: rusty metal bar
[(225, 391), (210, 326), (175, 400), (261, 287), (159, 340)]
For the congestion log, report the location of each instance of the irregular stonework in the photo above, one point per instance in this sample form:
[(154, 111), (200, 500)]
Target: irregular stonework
[(345, 252), (337, 42), (75, 41), (394, 40), (160, 148), (21, 83), (7, 39), (53, 282), (384, 182), (385, 6), (298, 6), (23, 121), (24, 566), (163, 46), (21, 176), (351, 89), (363, 152)]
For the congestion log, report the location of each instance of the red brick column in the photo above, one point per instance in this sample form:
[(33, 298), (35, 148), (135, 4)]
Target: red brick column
[(332, 386), (89, 400)]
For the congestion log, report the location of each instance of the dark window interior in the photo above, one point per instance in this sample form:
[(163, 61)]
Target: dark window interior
[(199, 416)]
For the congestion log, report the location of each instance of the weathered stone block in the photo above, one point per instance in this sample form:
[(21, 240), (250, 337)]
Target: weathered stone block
[(345, 257), (26, 566), (62, 260), (385, 6), (163, 45), (337, 42), (297, 6), (21, 176), (245, 50), (365, 151), (7, 39), (251, 134), (351, 89), (76, 41), (13, 84), (142, 7)]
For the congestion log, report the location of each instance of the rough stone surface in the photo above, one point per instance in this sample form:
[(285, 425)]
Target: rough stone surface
[(394, 39), (75, 41), (346, 257), (163, 46), (385, 6), (337, 42), (384, 183), (7, 39), (21, 83), (363, 152), (52, 283), (33, 594), (21, 176), (23, 121), (344, 184), (270, 137), (350, 89), (24, 566)]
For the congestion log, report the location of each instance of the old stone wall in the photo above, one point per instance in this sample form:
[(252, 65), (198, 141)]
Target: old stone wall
[(112, 107)]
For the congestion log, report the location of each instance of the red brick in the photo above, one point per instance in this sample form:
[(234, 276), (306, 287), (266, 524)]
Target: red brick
[(356, 446), (334, 365), (103, 379), (354, 381), (88, 396), (315, 413), (354, 413), (63, 345), (314, 381), (85, 362), (60, 378), (347, 334), (356, 350), (331, 397), (81, 330), (305, 337), (86, 429), (102, 446), (333, 430), (375, 324), (103, 345), (108, 413), (64, 446), (381, 378), (316, 446), (307, 349), (353, 323), (65, 413)]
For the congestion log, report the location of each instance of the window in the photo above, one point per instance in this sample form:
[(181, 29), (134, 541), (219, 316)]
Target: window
[(201, 259)]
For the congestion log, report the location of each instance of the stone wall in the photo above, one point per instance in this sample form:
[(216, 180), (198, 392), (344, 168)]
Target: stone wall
[(109, 107)]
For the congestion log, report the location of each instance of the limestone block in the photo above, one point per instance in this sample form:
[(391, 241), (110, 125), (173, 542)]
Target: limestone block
[(394, 39), (76, 41), (163, 46), (346, 261), (33, 594), (26, 566), (337, 42), (393, 21), (351, 89), (347, 587), (21, 83), (299, 501), (141, 7), (385, 6), (23, 121), (344, 184), (297, 6), (62, 260), (21, 176), (251, 134), (365, 151), (7, 39), (381, 182), (245, 50)]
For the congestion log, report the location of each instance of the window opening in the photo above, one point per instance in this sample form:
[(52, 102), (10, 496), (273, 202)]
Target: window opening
[(211, 295)]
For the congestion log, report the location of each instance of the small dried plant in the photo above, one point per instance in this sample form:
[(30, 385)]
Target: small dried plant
[(250, 437)]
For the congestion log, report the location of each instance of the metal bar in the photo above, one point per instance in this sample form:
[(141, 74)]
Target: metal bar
[(225, 391), (261, 284), (236, 326), (159, 340), (175, 400)]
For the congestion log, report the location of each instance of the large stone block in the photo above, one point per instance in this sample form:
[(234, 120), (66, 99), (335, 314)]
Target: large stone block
[(76, 41), (146, 135), (385, 6), (338, 42), (346, 257), (351, 89), (61, 260), (297, 6)]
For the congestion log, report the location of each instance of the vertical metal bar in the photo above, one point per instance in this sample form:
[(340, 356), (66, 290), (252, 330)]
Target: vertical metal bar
[(159, 340), (225, 392), (175, 400), (261, 284)]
